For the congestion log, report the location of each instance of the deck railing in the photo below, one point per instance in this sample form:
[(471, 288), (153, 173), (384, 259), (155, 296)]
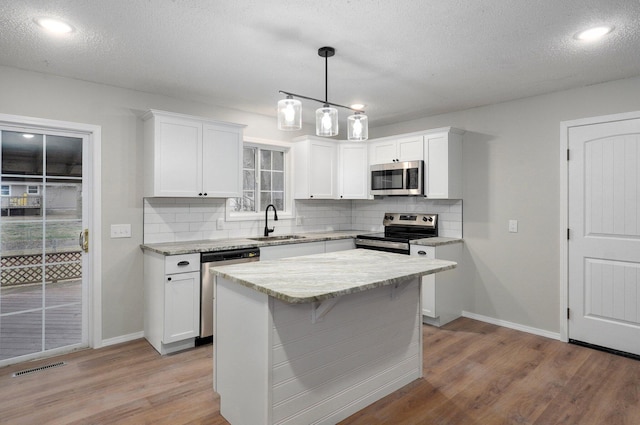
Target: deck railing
[(26, 269)]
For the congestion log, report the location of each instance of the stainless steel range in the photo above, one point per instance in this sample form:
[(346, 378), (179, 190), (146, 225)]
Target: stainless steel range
[(399, 230)]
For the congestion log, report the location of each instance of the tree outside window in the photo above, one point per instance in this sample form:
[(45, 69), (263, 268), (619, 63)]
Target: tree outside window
[(263, 180)]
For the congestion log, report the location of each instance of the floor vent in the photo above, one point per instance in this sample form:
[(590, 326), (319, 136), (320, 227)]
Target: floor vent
[(37, 369)]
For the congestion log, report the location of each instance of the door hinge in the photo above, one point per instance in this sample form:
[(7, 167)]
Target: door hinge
[(568, 234), (568, 313), (567, 154)]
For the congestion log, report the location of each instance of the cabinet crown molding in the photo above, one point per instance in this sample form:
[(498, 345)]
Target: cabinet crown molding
[(155, 113)]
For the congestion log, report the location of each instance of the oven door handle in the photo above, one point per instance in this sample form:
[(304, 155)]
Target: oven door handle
[(381, 244)]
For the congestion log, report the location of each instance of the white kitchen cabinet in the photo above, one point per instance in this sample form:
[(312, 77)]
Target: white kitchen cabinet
[(315, 163), (397, 148), (171, 301), (339, 245), (443, 294), (191, 157), (327, 169), (353, 171), (275, 252), (443, 164)]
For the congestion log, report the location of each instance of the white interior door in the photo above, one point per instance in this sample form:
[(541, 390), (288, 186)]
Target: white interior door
[(604, 243)]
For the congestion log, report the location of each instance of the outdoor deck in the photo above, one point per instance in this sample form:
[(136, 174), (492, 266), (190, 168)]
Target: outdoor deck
[(21, 333)]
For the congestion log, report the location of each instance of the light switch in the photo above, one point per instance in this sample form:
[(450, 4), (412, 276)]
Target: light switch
[(513, 226), (120, 231), (220, 224)]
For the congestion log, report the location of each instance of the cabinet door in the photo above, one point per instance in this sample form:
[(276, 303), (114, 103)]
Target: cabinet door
[(221, 162), (411, 148), (275, 252), (322, 169), (443, 166), (383, 152), (339, 245), (353, 169), (181, 307), (428, 281), (178, 166)]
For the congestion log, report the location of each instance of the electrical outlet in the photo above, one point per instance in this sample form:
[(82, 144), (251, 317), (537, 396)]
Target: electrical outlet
[(299, 221), (513, 226), (220, 223), (120, 231)]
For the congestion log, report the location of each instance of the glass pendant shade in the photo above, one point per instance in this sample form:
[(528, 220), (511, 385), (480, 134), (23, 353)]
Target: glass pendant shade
[(289, 114), (326, 121), (357, 127)]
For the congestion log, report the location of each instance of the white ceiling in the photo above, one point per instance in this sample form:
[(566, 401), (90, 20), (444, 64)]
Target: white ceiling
[(403, 58)]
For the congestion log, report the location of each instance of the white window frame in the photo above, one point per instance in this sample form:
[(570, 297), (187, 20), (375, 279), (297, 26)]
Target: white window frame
[(37, 192), (8, 186), (288, 212)]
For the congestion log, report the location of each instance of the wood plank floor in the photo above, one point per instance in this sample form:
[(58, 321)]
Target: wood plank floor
[(474, 373)]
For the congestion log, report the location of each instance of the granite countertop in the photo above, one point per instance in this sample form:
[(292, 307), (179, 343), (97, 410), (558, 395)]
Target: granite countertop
[(437, 241), (212, 245), (323, 276)]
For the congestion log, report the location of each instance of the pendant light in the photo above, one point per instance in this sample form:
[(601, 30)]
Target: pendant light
[(290, 110), (357, 127), (289, 114)]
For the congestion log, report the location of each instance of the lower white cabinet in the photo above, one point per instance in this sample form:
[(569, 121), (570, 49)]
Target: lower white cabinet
[(181, 300), (443, 294), (275, 252), (339, 245), (171, 301)]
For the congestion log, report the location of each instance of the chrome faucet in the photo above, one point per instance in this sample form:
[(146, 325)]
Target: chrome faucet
[(266, 219)]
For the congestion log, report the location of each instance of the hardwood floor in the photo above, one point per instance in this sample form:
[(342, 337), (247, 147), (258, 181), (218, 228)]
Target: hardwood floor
[(474, 374)]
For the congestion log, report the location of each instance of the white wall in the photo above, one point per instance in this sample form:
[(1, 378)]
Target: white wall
[(511, 167), (118, 112), (511, 161)]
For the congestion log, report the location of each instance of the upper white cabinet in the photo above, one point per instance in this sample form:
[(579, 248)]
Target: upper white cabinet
[(443, 164), (191, 157), (328, 169), (353, 171), (315, 162), (394, 149)]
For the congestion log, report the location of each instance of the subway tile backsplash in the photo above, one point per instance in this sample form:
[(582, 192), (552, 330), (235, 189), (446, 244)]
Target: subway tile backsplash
[(190, 219)]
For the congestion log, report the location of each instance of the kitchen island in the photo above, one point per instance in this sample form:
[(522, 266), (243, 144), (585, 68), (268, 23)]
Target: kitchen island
[(314, 339)]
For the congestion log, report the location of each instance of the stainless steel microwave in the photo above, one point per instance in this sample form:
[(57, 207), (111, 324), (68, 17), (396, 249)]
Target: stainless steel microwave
[(397, 178)]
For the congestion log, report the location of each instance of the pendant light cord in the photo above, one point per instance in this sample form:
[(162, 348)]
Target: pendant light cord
[(326, 78)]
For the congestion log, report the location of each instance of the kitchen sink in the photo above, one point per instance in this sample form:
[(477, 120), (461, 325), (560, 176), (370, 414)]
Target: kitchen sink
[(277, 238)]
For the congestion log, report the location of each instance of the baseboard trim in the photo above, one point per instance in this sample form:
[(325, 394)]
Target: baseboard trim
[(121, 339), (511, 325)]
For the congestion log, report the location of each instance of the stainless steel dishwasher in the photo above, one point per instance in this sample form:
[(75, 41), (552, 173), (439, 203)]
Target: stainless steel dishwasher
[(208, 260)]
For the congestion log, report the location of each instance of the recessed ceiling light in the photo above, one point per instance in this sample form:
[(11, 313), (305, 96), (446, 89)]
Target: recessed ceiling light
[(593, 33), (28, 136), (358, 106), (54, 25)]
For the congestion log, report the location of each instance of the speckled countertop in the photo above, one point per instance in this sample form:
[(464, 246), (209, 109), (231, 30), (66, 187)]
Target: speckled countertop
[(435, 241), (323, 276), (211, 245)]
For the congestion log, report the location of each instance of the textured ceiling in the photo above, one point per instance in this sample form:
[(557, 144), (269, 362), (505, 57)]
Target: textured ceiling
[(404, 58)]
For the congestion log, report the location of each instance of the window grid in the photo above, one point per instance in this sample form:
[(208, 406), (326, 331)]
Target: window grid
[(263, 180)]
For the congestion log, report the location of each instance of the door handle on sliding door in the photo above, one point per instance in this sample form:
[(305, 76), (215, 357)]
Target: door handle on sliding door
[(83, 240)]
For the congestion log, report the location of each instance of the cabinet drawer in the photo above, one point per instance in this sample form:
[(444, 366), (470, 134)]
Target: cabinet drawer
[(181, 263), (423, 251)]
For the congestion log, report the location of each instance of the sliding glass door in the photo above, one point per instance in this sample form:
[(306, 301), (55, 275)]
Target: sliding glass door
[(43, 296)]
